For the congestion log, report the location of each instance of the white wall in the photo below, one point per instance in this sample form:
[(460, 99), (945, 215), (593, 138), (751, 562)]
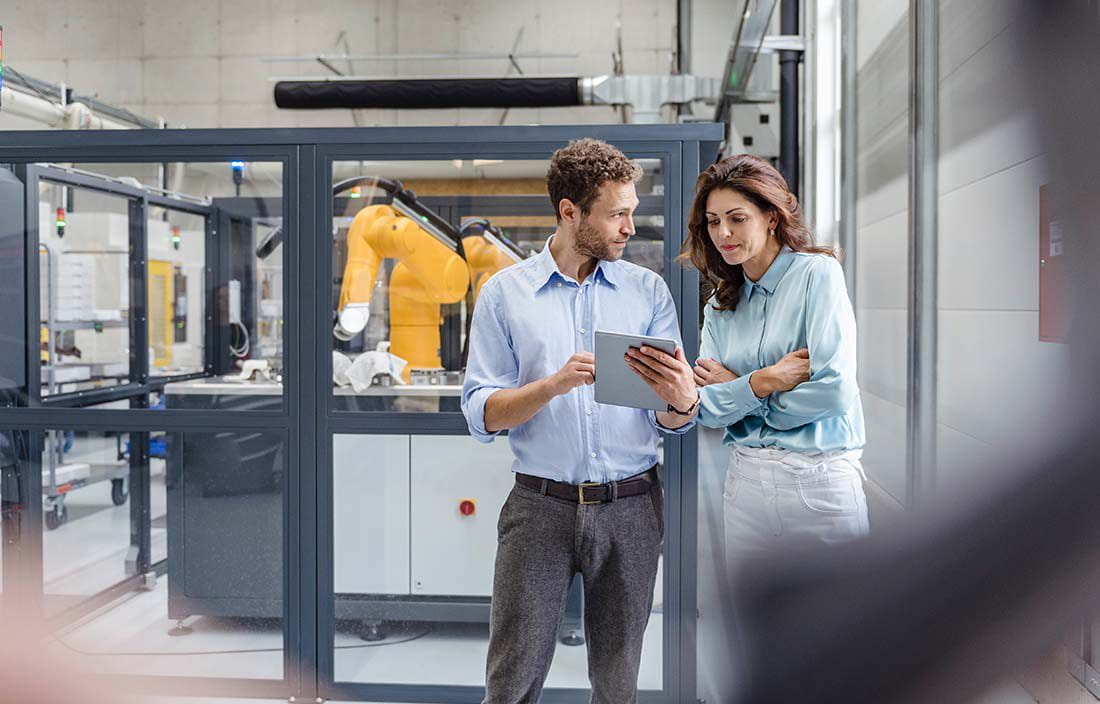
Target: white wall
[(999, 385), (198, 63)]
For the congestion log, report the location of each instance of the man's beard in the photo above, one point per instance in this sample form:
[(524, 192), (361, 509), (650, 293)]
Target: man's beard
[(589, 243)]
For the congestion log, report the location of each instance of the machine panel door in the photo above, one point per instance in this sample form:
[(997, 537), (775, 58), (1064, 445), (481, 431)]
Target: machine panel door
[(371, 514), (458, 488)]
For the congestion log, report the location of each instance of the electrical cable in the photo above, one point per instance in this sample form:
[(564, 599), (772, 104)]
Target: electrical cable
[(242, 350), (243, 651), (26, 83)]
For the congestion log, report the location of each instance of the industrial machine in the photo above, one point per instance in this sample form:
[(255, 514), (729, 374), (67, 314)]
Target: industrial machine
[(295, 508), (405, 275), (415, 277)]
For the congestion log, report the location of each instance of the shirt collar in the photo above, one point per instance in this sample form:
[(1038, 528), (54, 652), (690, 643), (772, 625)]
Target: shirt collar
[(545, 266), (546, 269), (608, 271), (774, 274)]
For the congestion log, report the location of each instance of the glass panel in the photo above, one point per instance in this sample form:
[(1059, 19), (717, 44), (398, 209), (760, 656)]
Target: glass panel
[(232, 295), (84, 301), (86, 516), (714, 635), (882, 236), (417, 573), (176, 250), (10, 508), (474, 217), (217, 502)]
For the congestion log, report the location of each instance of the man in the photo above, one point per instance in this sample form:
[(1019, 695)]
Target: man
[(587, 496)]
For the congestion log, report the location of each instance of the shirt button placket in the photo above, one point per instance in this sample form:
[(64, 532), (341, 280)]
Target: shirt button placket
[(584, 301)]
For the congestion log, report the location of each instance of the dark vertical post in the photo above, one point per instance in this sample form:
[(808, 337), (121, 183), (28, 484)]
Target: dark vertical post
[(789, 97), (309, 192), (139, 555)]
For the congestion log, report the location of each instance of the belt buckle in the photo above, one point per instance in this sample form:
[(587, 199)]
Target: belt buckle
[(580, 493)]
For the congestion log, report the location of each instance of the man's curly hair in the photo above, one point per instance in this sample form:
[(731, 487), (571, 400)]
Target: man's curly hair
[(578, 169)]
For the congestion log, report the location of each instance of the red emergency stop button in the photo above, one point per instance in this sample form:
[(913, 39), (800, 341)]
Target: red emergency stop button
[(467, 507)]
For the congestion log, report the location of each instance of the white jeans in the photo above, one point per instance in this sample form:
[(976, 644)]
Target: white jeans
[(778, 499)]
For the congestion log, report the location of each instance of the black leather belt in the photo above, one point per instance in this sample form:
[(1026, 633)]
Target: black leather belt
[(592, 492)]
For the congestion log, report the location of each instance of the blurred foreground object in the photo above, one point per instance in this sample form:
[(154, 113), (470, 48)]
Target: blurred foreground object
[(977, 584)]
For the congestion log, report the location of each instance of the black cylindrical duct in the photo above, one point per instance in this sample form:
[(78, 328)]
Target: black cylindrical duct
[(788, 97), (425, 93)]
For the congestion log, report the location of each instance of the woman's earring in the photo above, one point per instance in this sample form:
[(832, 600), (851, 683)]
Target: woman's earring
[(771, 232)]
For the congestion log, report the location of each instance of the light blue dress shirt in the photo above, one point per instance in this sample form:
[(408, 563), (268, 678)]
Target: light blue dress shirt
[(529, 320), (801, 302)]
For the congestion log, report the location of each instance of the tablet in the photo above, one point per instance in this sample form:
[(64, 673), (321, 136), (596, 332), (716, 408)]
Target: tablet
[(616, 382)]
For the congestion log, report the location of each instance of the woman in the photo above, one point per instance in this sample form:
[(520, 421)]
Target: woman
[(777, 365)]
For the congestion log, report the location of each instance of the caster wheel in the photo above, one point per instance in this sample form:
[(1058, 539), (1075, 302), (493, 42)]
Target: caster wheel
[(118, 492), (373, 632), (180, 630), (572, 638), (56, 516)]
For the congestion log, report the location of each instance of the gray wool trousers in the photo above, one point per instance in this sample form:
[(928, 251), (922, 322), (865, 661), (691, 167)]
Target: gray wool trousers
[(542, 542)]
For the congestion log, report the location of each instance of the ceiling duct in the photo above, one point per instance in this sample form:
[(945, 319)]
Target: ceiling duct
[(646, 95)]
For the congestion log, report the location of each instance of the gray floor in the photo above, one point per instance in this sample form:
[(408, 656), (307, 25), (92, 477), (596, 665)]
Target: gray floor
[(87, 554), (133, 637), (1006, 693)]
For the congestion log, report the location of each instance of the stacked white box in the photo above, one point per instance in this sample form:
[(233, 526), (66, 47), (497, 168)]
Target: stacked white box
[(74, 287)]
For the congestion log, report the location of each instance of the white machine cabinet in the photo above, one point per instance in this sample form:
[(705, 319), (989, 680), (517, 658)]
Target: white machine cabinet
[(417, 515), (452, 552), (371, 514)]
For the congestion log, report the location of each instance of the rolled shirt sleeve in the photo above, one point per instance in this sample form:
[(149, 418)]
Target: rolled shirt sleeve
[(491, 365), (831, 340)]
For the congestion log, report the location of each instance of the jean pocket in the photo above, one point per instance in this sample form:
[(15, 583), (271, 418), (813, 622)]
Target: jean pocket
[(834, 497)]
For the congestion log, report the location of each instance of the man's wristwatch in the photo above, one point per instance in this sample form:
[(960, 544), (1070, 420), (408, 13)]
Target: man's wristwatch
[(688, 412)]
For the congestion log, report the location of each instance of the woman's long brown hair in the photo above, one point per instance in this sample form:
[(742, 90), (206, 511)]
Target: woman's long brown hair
[(757, 180)]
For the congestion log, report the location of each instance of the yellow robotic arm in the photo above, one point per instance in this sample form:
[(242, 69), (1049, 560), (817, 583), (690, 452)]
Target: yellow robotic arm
[(428, 275), (484, 259)]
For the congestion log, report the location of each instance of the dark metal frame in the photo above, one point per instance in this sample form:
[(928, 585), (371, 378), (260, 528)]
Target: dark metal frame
[(138, 203), (227, 212), (455, 424), (308, 419), (139, 382)]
